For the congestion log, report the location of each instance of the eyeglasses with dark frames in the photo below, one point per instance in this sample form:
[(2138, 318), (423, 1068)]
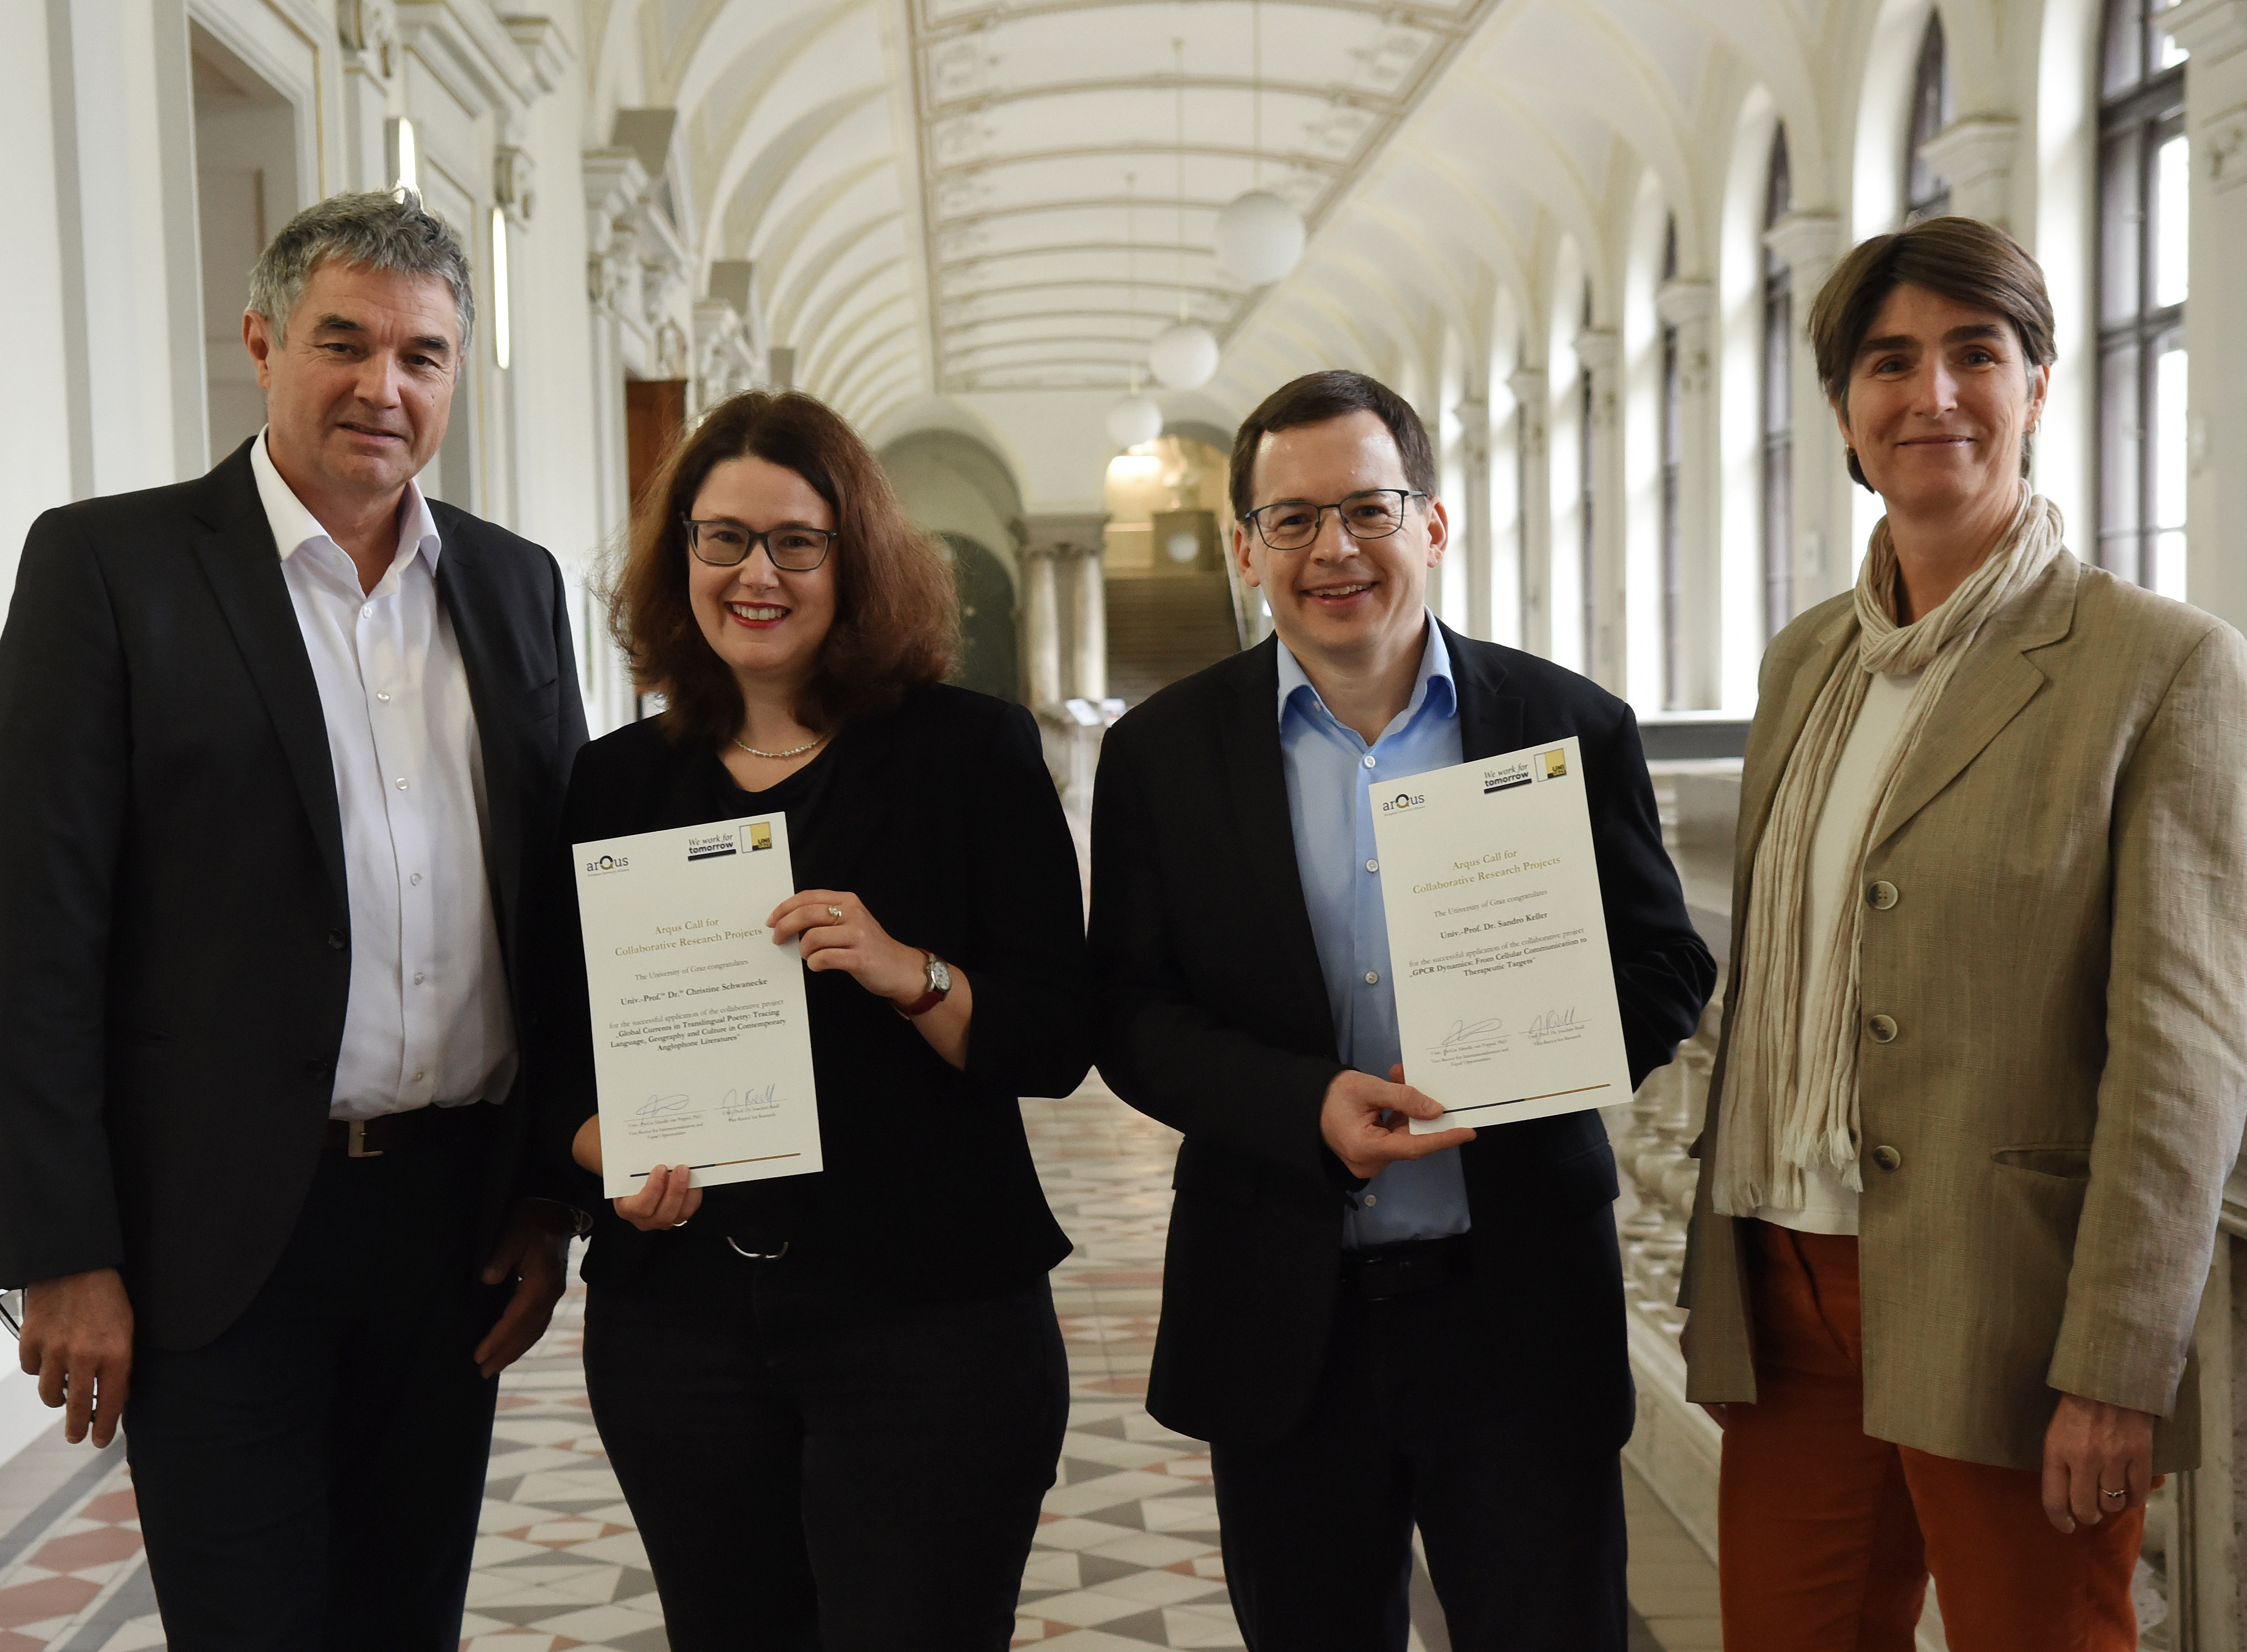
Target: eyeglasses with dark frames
[(793, 547), (1372, 513)]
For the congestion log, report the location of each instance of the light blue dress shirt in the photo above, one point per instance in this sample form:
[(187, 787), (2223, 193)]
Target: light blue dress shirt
[(1333, 777)]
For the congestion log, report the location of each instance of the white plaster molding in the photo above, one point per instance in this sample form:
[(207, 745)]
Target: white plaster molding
[(515, 171), (1975, 155), (545, 49), (2222, 143), (1474, 414), (1805, 240), (1685, 303), (615, 183), (467, 47), (368, 29), (2209, 30), (1600, 350)]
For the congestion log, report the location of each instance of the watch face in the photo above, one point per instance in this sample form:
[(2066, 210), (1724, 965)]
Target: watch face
[(939, 975)]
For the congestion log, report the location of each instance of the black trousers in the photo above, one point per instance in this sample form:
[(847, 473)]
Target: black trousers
[(311, 1479), (850, 1476), (1524, 1530)]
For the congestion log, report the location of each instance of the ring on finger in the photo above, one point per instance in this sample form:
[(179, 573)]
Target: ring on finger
[(2117, 1495), (834, 914)]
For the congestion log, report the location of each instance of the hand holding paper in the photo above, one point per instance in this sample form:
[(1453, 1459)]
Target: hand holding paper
[(701, 1049), (1505, 997), (1371, 1125)]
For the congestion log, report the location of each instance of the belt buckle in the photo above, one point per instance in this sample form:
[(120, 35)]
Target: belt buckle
[(355, 1141)]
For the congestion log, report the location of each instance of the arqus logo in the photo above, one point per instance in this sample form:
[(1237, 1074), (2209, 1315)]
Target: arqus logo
[(606, 863), (1401, 801)]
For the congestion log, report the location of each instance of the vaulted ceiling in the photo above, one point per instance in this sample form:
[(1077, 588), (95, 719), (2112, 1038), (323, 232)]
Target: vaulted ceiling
[(952, 196)]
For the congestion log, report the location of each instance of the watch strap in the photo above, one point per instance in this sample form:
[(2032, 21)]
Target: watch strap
[(928, 1000)]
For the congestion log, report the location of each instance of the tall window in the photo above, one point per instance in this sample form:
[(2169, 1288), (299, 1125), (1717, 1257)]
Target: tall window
[(1673, 690), (2145, 177), (1927, 195), (1778, 403), (1586, 503)]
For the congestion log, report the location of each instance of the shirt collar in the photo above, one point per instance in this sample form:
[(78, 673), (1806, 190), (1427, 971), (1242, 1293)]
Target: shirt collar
[(1434, 681), (294, 527)]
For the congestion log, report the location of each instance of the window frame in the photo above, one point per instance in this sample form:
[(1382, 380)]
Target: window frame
[(1927, 193), (1775, 430), (2141, 110), (1671, 451)]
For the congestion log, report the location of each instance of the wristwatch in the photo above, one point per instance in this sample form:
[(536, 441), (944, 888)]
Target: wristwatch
[(940, 986)]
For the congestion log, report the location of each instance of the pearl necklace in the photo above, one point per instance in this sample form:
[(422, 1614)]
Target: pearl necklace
[(793, 751)]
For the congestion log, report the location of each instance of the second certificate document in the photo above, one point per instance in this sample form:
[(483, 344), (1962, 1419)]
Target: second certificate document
[(701, 1050), (1505, 1000)]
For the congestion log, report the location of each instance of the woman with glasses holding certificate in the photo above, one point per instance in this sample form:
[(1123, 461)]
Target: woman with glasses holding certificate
[(835, 1401)]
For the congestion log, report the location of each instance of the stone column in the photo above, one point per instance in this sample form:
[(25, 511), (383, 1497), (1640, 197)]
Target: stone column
[(1688, 305), (1471, 527), (1976, 156), (1607, 647), (1089, 627), (1041, 629), (1532, 408), (1823, 563)]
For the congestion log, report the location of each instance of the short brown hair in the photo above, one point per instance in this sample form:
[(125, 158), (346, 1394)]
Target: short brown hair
[(1964, 260), (1317, 397), (896, 614)]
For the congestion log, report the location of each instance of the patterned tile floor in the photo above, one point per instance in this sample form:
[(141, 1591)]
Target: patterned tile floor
[(1126, 1556)]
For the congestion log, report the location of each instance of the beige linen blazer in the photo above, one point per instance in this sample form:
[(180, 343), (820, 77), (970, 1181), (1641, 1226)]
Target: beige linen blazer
[(2053, 1047)]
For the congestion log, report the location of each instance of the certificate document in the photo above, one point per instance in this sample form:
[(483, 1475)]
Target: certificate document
[(701, 1051), (1505, 1000)]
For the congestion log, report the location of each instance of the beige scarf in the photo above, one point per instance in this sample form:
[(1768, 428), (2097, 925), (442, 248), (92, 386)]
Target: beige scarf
[(1779, 1118)]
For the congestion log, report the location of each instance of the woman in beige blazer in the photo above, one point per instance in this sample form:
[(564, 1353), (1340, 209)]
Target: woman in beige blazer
[(1982, 1075)]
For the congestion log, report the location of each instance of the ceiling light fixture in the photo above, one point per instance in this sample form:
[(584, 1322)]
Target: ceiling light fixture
[(1184, 354), (1260, 235)]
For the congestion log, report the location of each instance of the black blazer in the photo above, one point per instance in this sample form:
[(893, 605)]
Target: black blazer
[(1219, 1027), (174, 936), (942, 818)]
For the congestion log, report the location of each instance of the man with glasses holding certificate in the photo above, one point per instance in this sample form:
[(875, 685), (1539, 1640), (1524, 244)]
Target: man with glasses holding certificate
[(1373, 1329)]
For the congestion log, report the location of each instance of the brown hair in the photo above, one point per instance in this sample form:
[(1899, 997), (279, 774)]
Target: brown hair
[(1964, 260), (1317, 397), (896, 614)]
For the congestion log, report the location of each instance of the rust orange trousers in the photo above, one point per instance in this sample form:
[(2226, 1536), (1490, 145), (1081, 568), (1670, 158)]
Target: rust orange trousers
[(1826, 1536)]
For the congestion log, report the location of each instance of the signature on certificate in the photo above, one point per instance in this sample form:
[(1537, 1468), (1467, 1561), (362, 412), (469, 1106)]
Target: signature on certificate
[(655, 1106), (1554, 1021), (1463, 1031), (755, 1101)]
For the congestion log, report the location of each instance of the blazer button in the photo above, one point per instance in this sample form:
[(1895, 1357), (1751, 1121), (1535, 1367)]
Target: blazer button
[(336, 940), (1882, 1027), (1881, 896), (1886, 1158)]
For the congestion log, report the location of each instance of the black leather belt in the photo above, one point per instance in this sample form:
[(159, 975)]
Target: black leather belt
[(1407, 1267), (419, 1131)]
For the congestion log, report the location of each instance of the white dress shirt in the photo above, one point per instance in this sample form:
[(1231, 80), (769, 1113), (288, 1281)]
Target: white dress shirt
[(428, 1018), (1829, 1204)]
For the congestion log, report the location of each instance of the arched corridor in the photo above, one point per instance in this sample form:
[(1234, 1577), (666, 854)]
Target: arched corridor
[(1004, 238)]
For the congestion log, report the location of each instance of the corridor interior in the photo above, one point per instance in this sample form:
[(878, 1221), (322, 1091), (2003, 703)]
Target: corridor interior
[(1126, 1555)]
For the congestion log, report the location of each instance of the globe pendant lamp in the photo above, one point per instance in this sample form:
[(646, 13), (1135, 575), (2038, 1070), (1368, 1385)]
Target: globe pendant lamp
[(1134, 420), (1184, 355), (1259, 237)]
